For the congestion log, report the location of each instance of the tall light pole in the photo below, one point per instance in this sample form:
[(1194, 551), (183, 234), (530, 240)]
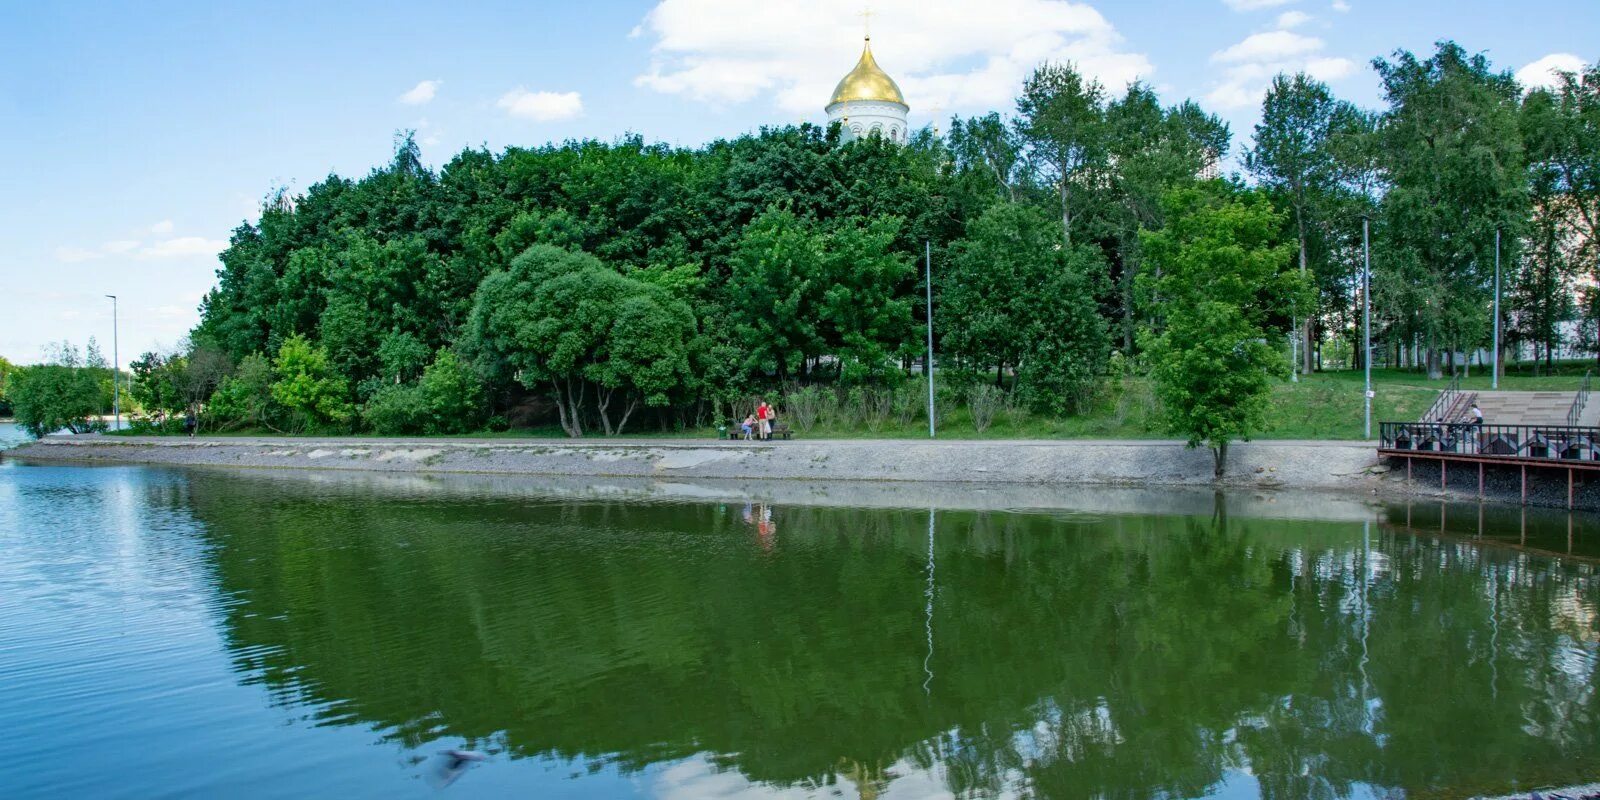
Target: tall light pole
[(1366, 316), (116, 367), (928, 267), (1494, 383)]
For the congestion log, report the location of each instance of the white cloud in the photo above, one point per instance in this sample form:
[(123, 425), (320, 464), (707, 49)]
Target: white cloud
[(72, 254), (420, 94), (182, 246), (1341, 6), (1292, 19), (1273, 46), (1249, 65), (1546, 72), (542, 106), (164, 226), (941, 53), (1255, 5)]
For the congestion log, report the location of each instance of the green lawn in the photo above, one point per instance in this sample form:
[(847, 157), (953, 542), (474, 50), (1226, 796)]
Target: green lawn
[(1325, 405)]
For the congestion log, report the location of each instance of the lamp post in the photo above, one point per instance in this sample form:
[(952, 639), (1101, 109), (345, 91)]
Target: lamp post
[(1366, 316), (928, 272), (116, 382), (1494, 363)]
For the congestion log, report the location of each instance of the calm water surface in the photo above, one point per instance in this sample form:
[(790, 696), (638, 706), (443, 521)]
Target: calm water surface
[(213, 634)]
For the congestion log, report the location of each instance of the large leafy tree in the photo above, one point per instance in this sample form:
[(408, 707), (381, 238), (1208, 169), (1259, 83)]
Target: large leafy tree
[(52, 397), (1561, 128), (566, 323), (1013, 298), (800, 290), (1061, 120), (1152, 150), (1224, 277), (1293, 155), (1454, 159)]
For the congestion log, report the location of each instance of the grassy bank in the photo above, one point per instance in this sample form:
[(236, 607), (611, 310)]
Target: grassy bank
[(1325, 405)]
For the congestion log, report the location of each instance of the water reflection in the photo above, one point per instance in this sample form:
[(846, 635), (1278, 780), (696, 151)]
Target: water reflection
[(1078, 655)]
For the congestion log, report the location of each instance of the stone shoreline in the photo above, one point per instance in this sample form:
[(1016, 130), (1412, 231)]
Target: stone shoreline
[(1266, 464), (1350, 469)]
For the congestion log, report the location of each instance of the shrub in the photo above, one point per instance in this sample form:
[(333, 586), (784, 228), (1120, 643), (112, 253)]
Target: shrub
[(984, 401), (911, 401), (804, 406), (451, 394), (308, 385), (869, 407), (396, 410)]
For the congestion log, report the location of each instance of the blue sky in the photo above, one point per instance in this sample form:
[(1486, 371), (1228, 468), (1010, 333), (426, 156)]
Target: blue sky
[(136, 136)]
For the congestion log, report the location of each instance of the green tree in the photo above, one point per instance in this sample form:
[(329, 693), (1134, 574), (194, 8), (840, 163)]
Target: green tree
[(1294, 157), (7, 369), (308, 387), (245, 397), (158, 383), (1013, 297), (1456, 169), (1223, 276), (800, 291), (565, 322), (1150, 150), (52, 397), (1561, 127), (1061, 119)]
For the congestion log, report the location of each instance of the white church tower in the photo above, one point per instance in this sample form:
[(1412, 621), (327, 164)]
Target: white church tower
[(868, 101)]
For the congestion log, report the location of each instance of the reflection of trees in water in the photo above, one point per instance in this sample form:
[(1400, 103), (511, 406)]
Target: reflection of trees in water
[(1115, 657)]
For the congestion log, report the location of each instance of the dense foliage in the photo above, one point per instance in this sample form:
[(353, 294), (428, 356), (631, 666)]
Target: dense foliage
[(613, 286)]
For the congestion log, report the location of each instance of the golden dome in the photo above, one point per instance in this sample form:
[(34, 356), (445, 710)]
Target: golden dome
[(867, 82)]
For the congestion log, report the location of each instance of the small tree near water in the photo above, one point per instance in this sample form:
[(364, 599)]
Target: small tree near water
[(1224, 280), (54, 397)]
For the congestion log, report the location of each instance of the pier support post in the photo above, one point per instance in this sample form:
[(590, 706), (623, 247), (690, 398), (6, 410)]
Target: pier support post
[(1443, 465), (1480, 480), (1524, 484), (1569, 488)]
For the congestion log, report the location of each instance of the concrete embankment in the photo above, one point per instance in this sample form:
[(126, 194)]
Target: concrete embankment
[(1270, 464)]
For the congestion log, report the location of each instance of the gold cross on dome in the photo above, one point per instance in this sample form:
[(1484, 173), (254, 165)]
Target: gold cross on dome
[(866, 16)]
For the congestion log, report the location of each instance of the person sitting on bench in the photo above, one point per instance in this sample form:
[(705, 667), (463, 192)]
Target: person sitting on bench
[(748, 426)]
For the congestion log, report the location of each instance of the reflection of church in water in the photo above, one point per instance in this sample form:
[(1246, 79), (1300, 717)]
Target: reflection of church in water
[(867, 101)]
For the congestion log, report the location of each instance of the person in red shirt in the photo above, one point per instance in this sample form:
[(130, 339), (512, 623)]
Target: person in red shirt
[(764, 416)]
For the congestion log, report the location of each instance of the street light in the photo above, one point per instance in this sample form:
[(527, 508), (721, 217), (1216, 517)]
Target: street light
[(116, 383), (1366, 316), (1494, 383), (928, 266)]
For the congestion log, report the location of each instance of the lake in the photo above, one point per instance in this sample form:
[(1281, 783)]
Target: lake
[(241, 634)]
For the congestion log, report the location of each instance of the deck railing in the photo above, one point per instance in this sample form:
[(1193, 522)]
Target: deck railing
[(1451, 403), (1544, 442), (1580, 400)]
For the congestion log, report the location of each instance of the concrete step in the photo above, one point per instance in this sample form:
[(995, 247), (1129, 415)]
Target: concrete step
[(1529, 408)]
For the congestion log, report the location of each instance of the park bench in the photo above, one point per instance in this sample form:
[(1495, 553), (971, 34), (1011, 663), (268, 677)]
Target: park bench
[(780, 430)]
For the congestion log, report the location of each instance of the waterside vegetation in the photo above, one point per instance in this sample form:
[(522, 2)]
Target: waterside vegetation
[(1091, 274)]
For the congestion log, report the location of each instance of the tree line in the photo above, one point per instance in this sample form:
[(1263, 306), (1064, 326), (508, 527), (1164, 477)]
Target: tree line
[(607, 286)]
